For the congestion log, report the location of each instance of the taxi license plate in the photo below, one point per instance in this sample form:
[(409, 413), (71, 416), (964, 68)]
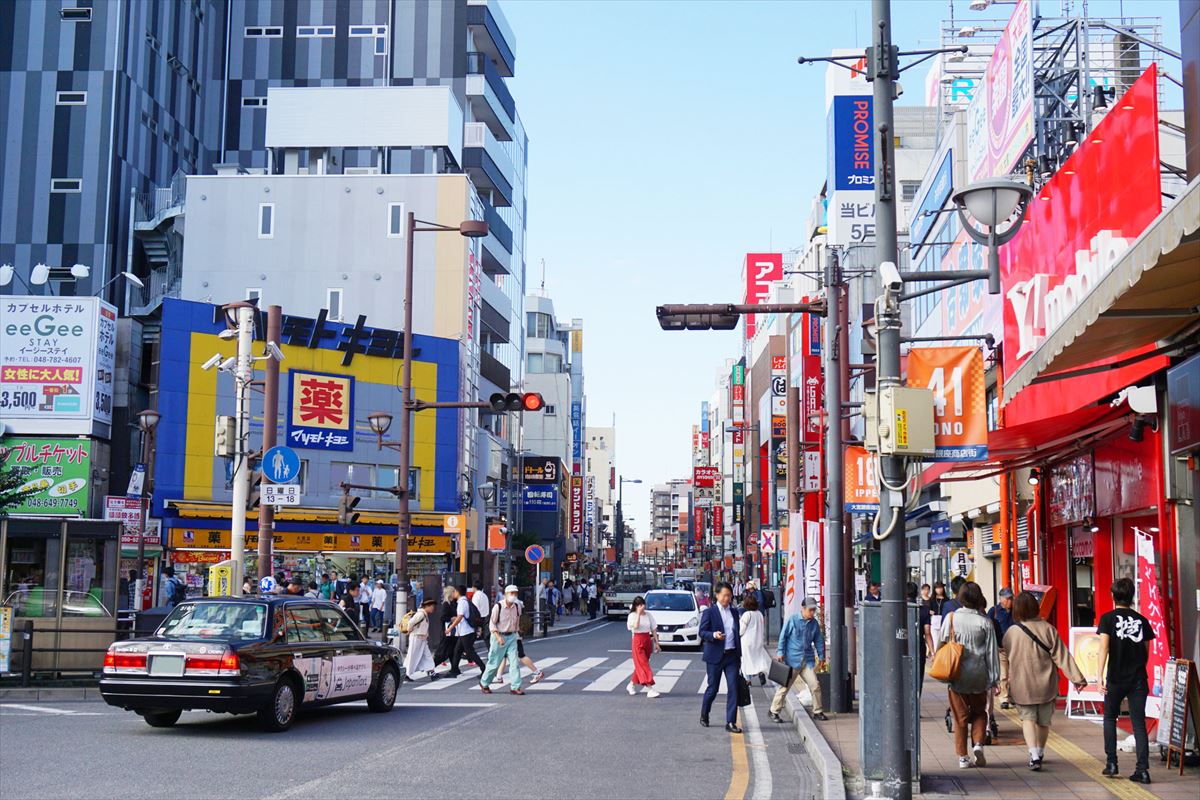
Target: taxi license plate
[(169, 665)]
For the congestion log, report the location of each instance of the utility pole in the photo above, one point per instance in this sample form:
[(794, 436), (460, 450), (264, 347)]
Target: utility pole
[(883, 71), (243, 375), (266, 513), (403, 514), (835, 574)]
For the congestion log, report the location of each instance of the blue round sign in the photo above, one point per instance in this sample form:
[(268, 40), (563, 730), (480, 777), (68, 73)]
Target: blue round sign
[(266, 585), (281, 465), (534, 554)]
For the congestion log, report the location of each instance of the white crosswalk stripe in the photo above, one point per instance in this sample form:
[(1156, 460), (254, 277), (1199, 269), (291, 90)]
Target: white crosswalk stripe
[(526, 672), (574, 671), (446, 683), (704, 685), (677, 664), (613, 678)]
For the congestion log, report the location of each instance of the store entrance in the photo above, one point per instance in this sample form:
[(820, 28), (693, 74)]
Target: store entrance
[(1083, 577)]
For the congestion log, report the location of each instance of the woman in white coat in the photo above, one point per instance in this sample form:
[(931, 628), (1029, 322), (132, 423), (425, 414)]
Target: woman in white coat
[(419, 659), (755, 658)]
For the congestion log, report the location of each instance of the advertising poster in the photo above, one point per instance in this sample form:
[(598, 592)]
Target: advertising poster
[(1084, 645), (320, 411), (1000, 118), (793, 578), (812, 558), (1150, 604), (58, 470), (761, 270), (851, 148), (56, 364), (862, 481), (6, 613), (955, 375), (812, 389)]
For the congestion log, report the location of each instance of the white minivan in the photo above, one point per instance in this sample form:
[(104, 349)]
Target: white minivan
[(676, 616)]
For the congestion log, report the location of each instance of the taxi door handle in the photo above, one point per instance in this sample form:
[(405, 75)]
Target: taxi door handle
[(297, 655), (338, 652)]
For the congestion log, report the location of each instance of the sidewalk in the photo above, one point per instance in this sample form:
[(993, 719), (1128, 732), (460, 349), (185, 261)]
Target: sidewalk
[(1074, 758)]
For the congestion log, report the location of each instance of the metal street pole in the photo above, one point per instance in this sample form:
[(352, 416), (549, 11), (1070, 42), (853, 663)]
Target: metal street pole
[(883, 72), (241, 475), (266, 513), (144, 512), (835, 585), (403, 515)]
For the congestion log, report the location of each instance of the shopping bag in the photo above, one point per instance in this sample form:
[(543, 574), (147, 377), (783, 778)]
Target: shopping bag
[(947, 661)]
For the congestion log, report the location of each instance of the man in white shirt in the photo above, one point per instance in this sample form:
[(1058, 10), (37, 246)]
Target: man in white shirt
[(461, 625), (378, 603), (480, 600)]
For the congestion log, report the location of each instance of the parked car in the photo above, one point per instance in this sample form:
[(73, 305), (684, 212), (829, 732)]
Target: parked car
[(269, 655), (39, 602)]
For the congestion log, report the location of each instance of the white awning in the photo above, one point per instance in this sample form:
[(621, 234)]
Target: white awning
[(1150, 295)]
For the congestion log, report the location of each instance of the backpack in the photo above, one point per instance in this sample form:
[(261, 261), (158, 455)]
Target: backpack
[(473, 616), (405, 621), (178, 591), (768, 599)]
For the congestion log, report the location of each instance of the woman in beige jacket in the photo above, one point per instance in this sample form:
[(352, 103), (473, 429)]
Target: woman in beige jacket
[(1034, 650)]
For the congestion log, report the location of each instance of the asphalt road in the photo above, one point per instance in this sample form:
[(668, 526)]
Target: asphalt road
[(579, 734)]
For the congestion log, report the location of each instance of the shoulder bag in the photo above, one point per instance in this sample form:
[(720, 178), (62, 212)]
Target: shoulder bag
[(947, 661), (1039, 642)]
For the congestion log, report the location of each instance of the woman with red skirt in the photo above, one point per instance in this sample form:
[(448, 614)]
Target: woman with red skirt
[(645, 642)]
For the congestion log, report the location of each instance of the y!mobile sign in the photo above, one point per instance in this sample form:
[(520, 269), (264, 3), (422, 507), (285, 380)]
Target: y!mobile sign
[(762, 269), (56, 365)]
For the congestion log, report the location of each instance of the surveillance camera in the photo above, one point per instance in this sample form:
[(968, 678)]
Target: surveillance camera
[(228, 364), (212, 362), (274, 352), (889, 276)]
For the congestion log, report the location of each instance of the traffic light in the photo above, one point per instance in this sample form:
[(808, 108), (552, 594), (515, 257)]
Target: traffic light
[(225, 439), (514, 401), (255, 497), (698, 317), (346, 513)]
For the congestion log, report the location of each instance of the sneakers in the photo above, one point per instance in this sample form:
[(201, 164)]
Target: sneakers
[(964, 762), (1140, 776), (516, 691), (537, 676), (653, 693), (980, 758), (1111, 770), (820, 717), (485, 689), (1035, 764), (631, 689)]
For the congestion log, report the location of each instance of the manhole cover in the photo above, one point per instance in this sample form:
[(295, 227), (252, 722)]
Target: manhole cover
[(941, 784)]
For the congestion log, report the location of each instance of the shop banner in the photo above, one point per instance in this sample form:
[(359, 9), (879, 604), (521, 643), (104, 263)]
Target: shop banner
[(812, 558), (577, 505), (320, 411), (761, 270), (718, 515), (737, 395), (793, 579), (955, 375), (812, 388), (1000, 118), (56, 364), (297, 541), (57, 470), (698, 525), (862, 481), (129, 511), (1150, 604)]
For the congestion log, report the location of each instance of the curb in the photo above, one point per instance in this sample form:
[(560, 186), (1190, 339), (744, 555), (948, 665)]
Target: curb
[(52, 693), (828, 764)]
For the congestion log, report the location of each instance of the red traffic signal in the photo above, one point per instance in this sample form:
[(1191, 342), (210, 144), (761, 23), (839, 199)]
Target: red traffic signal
[(529, 401)]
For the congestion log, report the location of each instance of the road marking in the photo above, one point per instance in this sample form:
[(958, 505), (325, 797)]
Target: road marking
[(665, 680), (626, 650), (722, 689), (444, 705), (1090, 766), (740, 779), (763, 785), (613, 678), (526, 672), (49, 710), (445, 682), (571, 672), (566, 635), (677, 663)]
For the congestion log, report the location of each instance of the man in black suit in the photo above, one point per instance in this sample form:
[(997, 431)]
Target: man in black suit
[(722, 655)]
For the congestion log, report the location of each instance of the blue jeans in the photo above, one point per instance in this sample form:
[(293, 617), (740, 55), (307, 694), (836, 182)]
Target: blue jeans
[(499, 652), (376, 617), (728, 667)]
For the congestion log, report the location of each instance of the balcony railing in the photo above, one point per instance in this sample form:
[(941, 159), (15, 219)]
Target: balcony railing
[(160, 283), (481, 64), (498, 227)]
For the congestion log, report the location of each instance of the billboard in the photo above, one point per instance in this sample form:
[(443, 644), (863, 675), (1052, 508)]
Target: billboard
[(862, 481), (955, 375), (576, 435), (1077, 228), (935, 191), (539, 469), (577, 504), (812, 387), (851, 150), (1000, 117), (539, 498), (56, 365), (57, 470), (320, 412), (761, 269)]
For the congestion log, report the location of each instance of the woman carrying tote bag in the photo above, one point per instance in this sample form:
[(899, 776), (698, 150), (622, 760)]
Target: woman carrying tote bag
[(978, 672)]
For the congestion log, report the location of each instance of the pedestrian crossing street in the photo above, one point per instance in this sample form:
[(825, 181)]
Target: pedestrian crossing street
[(592, 674)]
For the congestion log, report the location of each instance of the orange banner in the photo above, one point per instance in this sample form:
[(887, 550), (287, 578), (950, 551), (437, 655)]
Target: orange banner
[(955, 375), (862, 481)]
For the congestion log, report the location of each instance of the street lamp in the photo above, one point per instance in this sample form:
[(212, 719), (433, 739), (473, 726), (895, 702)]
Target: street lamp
[(991, 202), (147, 422), (621, 515), (126, 274)]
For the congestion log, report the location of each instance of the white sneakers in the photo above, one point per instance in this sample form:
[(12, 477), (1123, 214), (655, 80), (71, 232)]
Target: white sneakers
[(964, 762), (653, 693), (650, 692), (980, 758), (631, 689)]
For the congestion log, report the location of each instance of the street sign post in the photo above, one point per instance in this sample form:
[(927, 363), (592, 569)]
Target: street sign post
[(534, 554), (281, 494), (281, 465)]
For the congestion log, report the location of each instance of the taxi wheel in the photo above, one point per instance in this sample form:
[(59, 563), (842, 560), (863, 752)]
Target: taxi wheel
[(161, 719), (280, 712), (384, 696)]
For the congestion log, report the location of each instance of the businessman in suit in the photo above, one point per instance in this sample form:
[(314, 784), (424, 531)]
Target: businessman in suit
[(722, 655)]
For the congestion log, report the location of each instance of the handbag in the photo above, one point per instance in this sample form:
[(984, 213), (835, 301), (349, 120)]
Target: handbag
[(743, 692), (780, 673), (947, 661)]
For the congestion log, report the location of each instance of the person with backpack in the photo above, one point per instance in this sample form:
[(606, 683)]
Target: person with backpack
[(418, 658), (176, 589), (465, 613), (1034, 650), (505, 624)]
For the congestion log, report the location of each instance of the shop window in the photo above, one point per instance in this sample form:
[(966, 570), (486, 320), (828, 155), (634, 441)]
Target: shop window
[(31, 576)]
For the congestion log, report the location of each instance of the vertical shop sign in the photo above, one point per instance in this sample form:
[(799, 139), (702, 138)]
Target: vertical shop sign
[(1150, 603), (955, 375), (862, 481)]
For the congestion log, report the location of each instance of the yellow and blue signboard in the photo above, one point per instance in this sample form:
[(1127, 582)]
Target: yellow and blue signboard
[(320, 411)]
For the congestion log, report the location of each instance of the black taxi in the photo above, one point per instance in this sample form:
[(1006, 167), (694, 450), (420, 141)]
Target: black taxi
[(265, 655)]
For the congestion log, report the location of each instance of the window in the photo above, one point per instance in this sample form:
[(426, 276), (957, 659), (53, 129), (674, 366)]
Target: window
[(305, 625), (203, 620), (548, 410), (65, 185), (315, 32), (269, 32), (254, 102), (346, 472), (396, 221), (266, 220), (908, 191), (540, 326), (381, 45), (75, 14), (254, 296), (534, 363), (333, 304), (70, 99), (337, 627), (359, 31), (387, 478)]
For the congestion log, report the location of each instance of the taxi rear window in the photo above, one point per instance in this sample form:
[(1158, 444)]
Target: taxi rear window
[(227, 621)]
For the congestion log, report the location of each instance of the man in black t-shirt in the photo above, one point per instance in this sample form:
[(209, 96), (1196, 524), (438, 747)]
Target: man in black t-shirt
[(1124, 636)]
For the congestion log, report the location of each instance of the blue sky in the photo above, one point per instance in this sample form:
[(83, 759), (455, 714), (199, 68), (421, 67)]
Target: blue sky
[(668, 139)]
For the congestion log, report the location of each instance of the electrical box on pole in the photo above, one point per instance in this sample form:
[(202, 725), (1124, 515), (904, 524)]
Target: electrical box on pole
[(905, 421)]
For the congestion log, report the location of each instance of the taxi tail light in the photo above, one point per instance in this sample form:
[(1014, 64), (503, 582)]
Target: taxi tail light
[(115, 660), (225, 663)]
